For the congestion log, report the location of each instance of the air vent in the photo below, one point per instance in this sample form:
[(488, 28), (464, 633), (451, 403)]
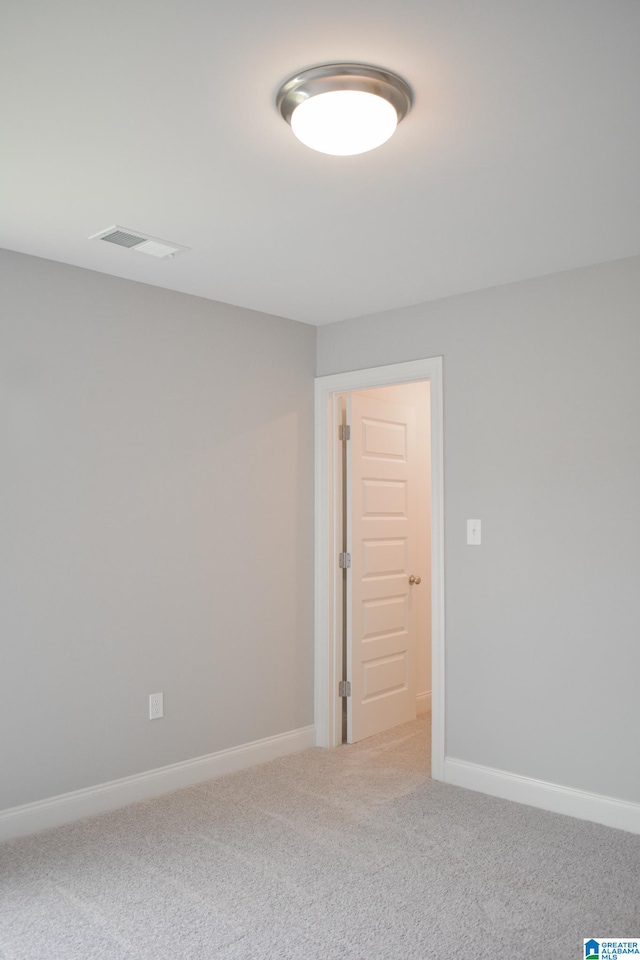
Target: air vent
[(140, 242), (122, 239)]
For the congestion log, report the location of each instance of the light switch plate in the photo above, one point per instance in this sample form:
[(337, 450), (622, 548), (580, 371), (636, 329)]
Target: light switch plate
[(474, 533)]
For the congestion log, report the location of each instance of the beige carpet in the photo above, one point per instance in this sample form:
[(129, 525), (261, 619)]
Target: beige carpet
[(349, 853)]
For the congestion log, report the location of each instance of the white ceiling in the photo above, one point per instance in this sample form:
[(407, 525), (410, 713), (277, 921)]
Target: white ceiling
[(520, 157)]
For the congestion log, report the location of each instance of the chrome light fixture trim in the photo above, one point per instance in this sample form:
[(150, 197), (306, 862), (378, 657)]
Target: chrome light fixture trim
[(330, 77)]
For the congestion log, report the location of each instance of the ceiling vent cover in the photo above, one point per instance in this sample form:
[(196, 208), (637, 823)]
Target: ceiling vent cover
[(122, 239), (141, 242)]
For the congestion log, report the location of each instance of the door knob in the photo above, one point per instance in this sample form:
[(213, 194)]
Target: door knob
[(416, 580)]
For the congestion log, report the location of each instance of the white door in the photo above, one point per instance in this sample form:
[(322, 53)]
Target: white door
[(381, 608)]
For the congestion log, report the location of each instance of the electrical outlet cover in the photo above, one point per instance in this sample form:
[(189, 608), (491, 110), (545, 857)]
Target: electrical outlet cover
[(156, 706)]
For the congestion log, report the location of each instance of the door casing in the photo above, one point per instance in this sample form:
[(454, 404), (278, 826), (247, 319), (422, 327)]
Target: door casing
[(328, 545)]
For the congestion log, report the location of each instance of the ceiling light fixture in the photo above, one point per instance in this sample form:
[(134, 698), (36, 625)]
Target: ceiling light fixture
[(344, 108)]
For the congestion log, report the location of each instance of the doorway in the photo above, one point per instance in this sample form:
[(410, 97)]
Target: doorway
[(330, 611), (386, 540)]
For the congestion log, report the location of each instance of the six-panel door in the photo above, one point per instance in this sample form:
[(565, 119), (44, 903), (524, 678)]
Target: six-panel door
[(382, 541)]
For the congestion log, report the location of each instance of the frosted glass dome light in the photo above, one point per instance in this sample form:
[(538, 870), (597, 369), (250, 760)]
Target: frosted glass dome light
[(344, 108), (344, 122)]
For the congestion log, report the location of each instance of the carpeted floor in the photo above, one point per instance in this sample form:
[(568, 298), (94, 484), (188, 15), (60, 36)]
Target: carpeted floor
[(349, 853)]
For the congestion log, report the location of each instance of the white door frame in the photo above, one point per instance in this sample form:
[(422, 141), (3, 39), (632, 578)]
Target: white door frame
[(328, 601)]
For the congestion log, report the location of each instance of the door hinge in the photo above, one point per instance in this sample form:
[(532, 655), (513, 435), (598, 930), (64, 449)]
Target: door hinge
[(344, 688), (345, 560), (345, 432)]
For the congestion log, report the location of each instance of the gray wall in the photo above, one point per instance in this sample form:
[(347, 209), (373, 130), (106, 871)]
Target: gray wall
[(156, 521), (542, 442)]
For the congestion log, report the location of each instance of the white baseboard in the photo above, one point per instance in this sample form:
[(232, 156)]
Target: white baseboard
[(423, 703), (622, 814), (31, 817)]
